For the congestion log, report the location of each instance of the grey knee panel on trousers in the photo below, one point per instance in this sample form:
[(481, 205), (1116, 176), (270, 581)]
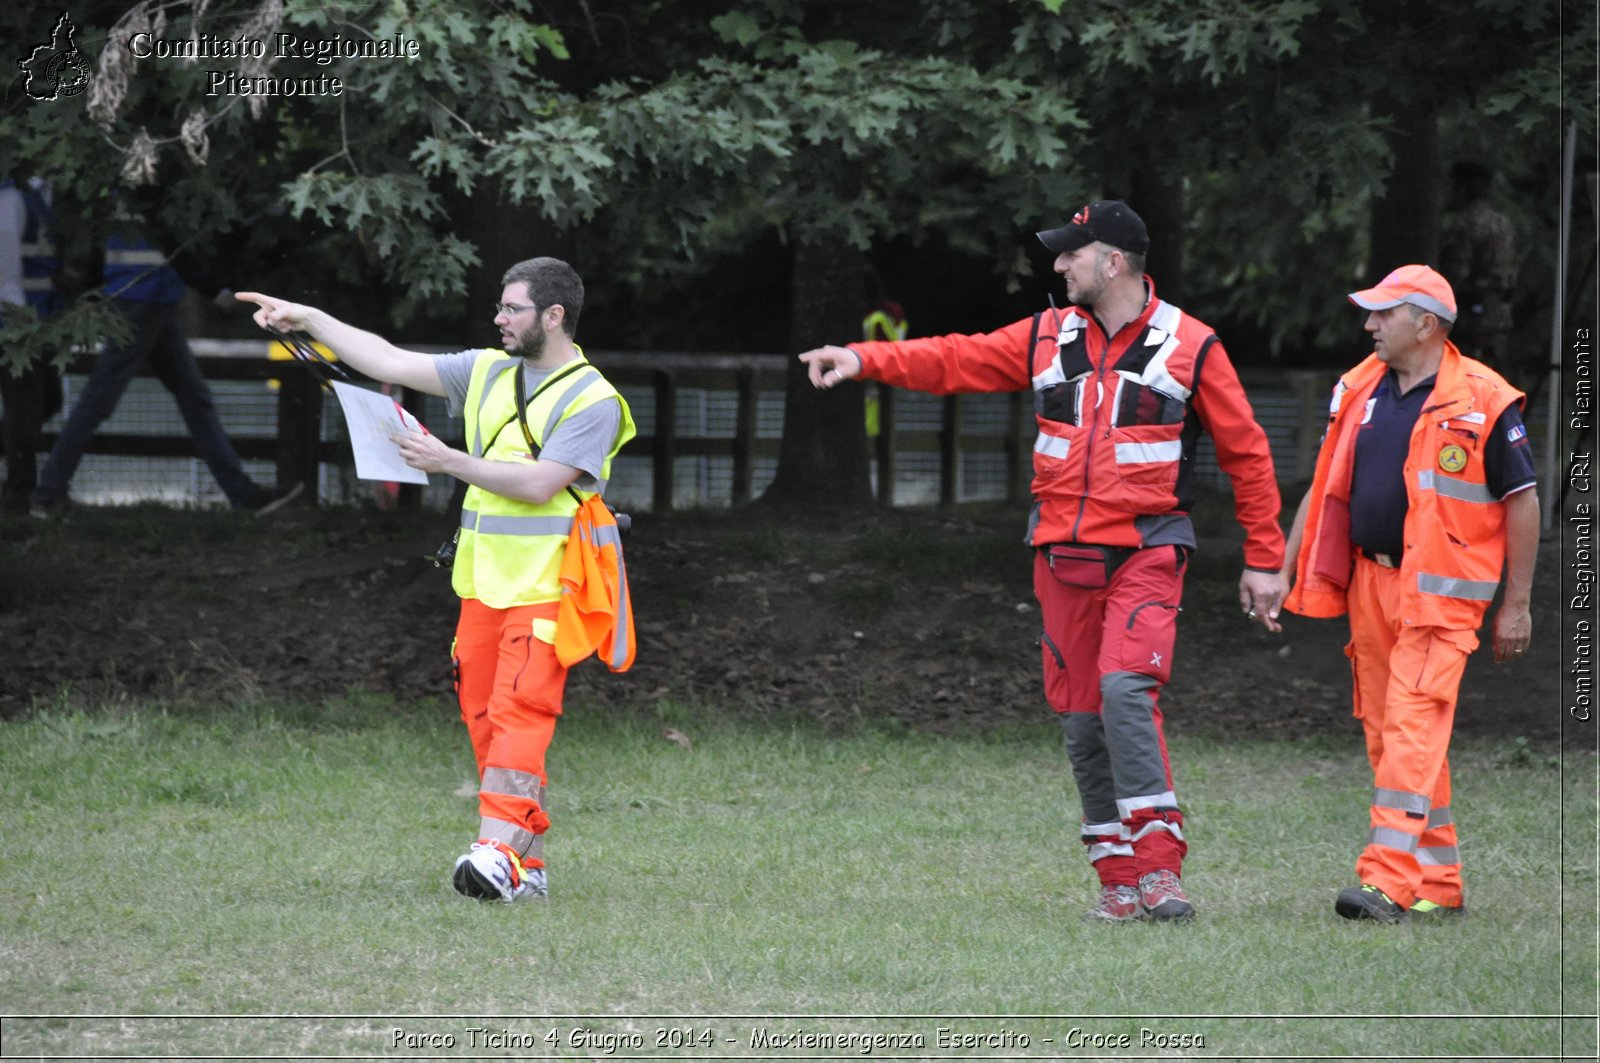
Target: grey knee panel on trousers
[(1091, 767), (1128, 717)]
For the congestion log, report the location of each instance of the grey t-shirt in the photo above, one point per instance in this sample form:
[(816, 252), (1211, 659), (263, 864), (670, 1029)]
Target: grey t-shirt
[(582, 440)]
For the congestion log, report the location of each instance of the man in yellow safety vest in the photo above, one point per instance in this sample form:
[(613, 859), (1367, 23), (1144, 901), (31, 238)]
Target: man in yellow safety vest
[(542, 428)]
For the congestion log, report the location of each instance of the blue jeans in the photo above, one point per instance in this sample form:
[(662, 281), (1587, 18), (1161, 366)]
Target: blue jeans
[(158, 335)]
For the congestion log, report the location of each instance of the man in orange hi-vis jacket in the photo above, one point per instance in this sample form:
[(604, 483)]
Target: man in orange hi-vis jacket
[(542, 428), (1423, 492), (1123, 384)]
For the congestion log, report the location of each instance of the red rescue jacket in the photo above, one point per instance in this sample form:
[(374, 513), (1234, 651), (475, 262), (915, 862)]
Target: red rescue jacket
[(1118, 419)]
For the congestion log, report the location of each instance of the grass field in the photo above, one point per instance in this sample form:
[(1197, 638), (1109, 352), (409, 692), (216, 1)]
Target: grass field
[(770, 892)]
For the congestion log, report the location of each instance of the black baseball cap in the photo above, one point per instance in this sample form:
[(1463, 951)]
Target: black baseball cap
[(1110, 221)]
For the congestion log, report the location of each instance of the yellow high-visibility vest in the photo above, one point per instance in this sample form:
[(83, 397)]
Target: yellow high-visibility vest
[(510, 551)]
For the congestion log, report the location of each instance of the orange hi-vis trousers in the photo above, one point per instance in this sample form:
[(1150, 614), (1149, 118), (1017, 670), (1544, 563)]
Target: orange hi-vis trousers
[(510, 685), (1406, 680)]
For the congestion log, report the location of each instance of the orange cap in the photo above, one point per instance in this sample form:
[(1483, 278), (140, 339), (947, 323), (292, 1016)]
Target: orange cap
[(1418, 285)]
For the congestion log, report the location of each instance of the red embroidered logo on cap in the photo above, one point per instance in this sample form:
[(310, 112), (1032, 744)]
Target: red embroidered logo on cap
[(1082, 217)]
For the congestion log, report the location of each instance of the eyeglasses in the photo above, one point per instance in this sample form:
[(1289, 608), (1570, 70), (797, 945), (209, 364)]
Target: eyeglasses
[(511, 309)]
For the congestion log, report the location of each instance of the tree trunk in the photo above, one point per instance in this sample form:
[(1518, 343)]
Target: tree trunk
[(822, 460), (506, 234), (1159, 201), (1405, 220)]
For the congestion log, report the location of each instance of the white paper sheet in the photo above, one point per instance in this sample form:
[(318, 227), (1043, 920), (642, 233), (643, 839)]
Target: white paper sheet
[(373, 417)]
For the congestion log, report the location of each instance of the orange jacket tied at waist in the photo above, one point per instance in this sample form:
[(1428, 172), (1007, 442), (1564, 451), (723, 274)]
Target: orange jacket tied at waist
[(595, 614)]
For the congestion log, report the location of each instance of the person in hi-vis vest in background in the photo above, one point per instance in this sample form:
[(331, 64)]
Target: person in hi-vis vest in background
[(542, 428), (1423, 493)]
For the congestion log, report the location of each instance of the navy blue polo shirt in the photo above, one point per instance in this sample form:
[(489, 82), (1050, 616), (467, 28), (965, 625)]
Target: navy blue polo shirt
[(1378, 486)]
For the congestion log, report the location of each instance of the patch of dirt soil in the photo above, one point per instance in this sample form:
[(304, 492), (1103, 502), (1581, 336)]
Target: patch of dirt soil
[(920, 619)]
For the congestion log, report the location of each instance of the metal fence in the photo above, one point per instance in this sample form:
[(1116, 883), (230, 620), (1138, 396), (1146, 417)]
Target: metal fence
[(709, 428)]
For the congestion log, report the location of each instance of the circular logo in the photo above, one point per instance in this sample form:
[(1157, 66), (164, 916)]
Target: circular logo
[(1452, 458), (67, 73)]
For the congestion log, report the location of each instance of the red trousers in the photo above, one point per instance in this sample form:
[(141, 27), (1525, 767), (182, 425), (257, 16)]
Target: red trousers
[(1107, 651), (1406, 680), (510, 686)]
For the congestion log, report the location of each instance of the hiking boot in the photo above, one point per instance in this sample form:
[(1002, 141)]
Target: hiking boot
[(1430, 912), (1368, 902), (1162, 894), (1117, 904), (490, 871), (263, 501)]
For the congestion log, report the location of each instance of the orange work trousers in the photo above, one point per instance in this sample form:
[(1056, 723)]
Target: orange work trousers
[(1406, 680), (510, 684)]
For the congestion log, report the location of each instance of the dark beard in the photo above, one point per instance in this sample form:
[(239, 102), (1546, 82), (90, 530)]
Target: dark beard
[(531, 347)]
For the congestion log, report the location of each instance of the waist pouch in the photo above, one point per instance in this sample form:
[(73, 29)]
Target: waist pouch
[(1082, 565)]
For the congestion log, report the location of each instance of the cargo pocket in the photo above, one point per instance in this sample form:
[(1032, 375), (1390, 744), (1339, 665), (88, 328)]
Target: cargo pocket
[(1147, 642), (1439, 676)]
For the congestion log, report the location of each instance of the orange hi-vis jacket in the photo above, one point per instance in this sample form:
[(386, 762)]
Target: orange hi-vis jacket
[(1455, 529), (1118, 419), (595, 614)]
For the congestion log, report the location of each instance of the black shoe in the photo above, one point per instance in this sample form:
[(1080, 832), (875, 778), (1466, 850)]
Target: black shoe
[(42, 508), (263, 501), (1368, 902)]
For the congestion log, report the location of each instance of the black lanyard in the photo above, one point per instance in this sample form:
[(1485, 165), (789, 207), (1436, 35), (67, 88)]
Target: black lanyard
[(522, 402)]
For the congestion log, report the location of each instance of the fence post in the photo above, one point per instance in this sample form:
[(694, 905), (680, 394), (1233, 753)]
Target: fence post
[(885, 444), (1309, 389), (1019, 451), (665, 443), (744, 435), (299, 428), (950, 451)]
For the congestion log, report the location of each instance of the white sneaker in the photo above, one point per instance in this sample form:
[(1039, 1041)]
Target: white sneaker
[(489, 871)]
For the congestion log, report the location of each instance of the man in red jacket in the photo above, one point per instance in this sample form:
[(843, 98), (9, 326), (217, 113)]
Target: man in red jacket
[(1123, 385)]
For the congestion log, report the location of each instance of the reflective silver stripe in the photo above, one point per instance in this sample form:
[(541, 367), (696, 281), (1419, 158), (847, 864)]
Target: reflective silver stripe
[(38, 248), (580, 380), (1127, 806), (1102, 830), (1390, 838), (1101, 850), (1476, 590), (498, 830), (1402, 800), (620, 646), (491, 378), (511, 783), (500, 524), (1052, 375), (1439, 856), (1166, 317), (1071, 325), (135, 257), (1051, 446), (1159, 825), (1455, 487), (1440, 817), (37, 284), (1146, 453), (1156, 376)]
